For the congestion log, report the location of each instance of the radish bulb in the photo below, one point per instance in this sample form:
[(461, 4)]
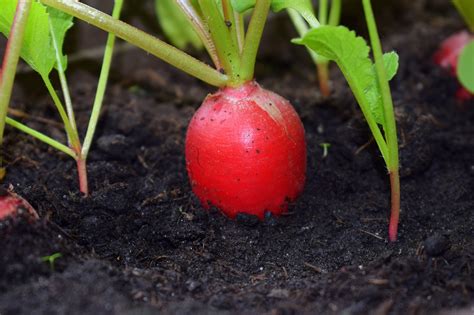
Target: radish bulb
[(246, 151)]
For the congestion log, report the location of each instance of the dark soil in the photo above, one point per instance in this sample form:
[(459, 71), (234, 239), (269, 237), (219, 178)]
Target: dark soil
[(142, 244)]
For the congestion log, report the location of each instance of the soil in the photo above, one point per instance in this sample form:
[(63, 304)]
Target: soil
[(142, 244)]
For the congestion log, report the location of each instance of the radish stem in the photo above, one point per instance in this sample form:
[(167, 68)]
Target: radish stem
[(335, 13), (82, 174), (390, 124), (240, 28), (323, 78), (62, 79), (71, 133), (395, 204), (229, 20), (323, 12), (98, 101), (252, 39), (221, 34)]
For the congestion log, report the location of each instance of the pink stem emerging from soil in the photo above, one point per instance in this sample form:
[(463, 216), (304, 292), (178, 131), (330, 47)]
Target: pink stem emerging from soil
[(82, 173), (323, 78), (395, 203)]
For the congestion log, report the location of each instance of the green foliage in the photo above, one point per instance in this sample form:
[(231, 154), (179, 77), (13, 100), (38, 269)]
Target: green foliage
[(466, 8), (175, 24), (38, 47), (465, 69), (303, 7), (351, 53)]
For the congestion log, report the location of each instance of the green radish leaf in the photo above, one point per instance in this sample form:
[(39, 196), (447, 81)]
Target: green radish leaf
[(351, 53), (303, 7), (465, 70), (38, 49), (466, 8), (175, 25)]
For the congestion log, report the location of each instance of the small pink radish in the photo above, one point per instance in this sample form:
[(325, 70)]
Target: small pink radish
[(447, 57), (12, 204)]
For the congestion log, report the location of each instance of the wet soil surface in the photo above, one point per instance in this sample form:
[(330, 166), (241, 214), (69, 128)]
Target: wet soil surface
[(142, 244)]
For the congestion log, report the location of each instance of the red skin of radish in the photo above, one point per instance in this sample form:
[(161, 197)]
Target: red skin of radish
[(447, 57), (11, 204), (246, 151)]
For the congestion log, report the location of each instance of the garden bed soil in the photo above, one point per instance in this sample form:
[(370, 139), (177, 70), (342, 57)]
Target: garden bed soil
[(142, 244)]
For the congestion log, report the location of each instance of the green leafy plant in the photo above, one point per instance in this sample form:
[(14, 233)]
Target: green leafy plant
[(44, 36), (369, 83)]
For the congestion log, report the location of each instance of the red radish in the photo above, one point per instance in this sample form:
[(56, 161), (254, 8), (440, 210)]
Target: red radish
[(12, 204), (447, 57), (246, 151)]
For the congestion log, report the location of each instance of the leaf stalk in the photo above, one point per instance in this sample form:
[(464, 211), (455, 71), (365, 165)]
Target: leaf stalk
[(222, 37), (201, 29), (252, 39), (390, 127)]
